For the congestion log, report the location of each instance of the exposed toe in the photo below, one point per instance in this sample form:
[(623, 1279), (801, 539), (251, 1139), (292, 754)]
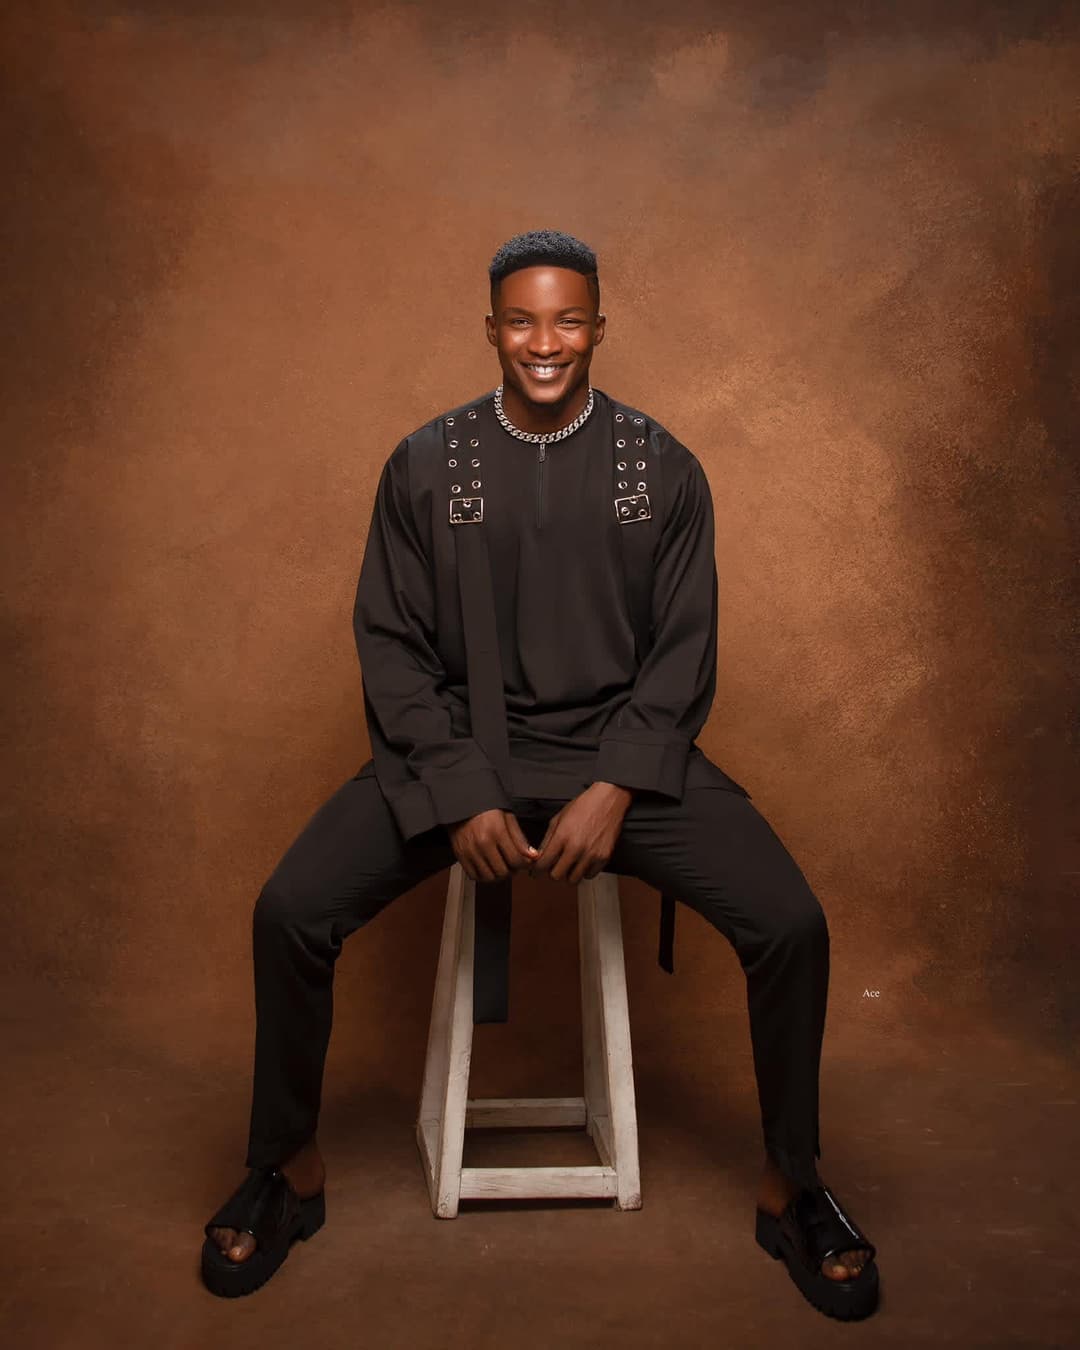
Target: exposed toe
[(236, 1246), (844, 1265), (242, 1248)]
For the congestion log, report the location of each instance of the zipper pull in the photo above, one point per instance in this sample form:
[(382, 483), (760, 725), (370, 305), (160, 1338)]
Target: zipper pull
[(543, 450)]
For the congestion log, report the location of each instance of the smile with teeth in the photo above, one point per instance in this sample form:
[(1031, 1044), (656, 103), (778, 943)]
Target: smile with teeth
[(543, 372)]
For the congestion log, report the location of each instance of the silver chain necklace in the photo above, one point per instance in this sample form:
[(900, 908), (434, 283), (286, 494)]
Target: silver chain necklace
[(545, 437)]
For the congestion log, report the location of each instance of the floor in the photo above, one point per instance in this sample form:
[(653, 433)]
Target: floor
[(955, 1152)]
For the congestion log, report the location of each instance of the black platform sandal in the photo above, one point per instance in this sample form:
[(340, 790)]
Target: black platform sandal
[(812, 1227), (265, 1205)]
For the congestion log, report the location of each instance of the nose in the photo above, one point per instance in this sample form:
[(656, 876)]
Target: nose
[(544, 340)]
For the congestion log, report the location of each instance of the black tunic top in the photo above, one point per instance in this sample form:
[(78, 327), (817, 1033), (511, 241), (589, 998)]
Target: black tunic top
[(578, 708)]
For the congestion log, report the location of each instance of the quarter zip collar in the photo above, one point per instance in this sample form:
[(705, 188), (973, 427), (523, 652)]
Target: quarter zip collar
[(549, 449), (541, 456)]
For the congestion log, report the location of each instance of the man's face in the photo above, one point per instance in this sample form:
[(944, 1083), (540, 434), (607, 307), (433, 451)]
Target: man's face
[(545, 317)]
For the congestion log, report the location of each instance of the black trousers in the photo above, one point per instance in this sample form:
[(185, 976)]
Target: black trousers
[(713, 850)]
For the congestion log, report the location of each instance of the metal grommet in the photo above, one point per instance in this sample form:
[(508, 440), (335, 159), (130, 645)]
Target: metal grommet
[(622, 482), (621, 464), (620, 444), (449, 421), (455, 487), (644, 511), (452, 463), (618, 417), (472, 412), (642, 486), (625, 511), (453, 445), (641, 440), (474, 441), (476, 482), (641, 464), (639, 420), (475, 463)]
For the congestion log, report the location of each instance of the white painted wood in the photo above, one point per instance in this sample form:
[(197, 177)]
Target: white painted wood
[(446, 1072), (615, 1009), (592, 1030), (531, 1183), (437, 1058), (599, 1128), (459, 1054), (607, 1111), (531, 1112)]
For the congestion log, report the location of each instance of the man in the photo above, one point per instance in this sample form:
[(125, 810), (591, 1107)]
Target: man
[(602, 770)]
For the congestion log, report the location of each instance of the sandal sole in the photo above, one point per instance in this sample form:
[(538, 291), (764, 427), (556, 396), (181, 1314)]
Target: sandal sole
[(234, 1279), (846, 1300)]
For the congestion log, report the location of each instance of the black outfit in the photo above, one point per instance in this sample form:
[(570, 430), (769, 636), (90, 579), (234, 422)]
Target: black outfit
[(579, 708)]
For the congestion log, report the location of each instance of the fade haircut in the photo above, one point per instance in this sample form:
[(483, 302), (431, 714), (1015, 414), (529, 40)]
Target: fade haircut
[(550, 247)]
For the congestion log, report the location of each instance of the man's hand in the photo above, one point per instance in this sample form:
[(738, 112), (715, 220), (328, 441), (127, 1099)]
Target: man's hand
[(489, 846), (580, 838)]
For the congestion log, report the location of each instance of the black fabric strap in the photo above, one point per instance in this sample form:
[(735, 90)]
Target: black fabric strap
[(639, 536), (487, 705)]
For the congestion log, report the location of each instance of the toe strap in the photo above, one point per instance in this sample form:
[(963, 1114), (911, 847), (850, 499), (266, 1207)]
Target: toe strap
[(262, 1204), (818, 1226)]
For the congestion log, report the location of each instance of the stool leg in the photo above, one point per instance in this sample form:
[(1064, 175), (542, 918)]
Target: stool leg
[(441, 1126), (597, 1113), (606, 1023)]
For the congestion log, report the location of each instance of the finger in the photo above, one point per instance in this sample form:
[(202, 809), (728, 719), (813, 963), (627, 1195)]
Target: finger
[(573, 867), (543, 860), (547, 856), (510, 857), (580, 869), (519, 841), (562, 858), (464, 856), (494, 860), (479, 869)]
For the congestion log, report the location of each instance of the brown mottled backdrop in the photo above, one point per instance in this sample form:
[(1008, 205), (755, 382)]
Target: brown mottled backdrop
[(245, 250)]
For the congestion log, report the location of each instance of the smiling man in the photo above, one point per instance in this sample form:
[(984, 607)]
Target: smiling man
[(537, 516)]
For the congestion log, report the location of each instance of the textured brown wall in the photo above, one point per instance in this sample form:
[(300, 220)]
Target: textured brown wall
[(245, 252)]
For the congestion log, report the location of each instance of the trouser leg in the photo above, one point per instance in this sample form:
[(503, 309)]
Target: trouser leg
[(716, 853), (347, 864)]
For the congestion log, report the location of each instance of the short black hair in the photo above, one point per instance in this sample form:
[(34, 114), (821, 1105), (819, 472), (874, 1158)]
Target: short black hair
[(552, 247)]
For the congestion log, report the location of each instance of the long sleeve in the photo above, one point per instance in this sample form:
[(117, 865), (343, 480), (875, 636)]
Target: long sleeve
[(646, 744), (428, 775)]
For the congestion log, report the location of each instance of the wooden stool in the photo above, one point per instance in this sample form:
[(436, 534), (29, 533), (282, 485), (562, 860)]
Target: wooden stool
[(607, 1110)]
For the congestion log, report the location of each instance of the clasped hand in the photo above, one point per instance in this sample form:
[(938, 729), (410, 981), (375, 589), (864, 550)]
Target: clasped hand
[(578, 842)]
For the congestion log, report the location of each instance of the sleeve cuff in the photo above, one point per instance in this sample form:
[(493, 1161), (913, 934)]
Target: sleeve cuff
[(419, 806), (456, 796), (658, 766)]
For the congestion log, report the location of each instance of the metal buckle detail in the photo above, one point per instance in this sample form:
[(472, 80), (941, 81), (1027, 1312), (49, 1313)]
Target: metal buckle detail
[(469, 510), (635, 507)]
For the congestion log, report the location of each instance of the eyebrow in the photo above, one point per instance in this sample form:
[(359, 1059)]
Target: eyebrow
[(520, 309)]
